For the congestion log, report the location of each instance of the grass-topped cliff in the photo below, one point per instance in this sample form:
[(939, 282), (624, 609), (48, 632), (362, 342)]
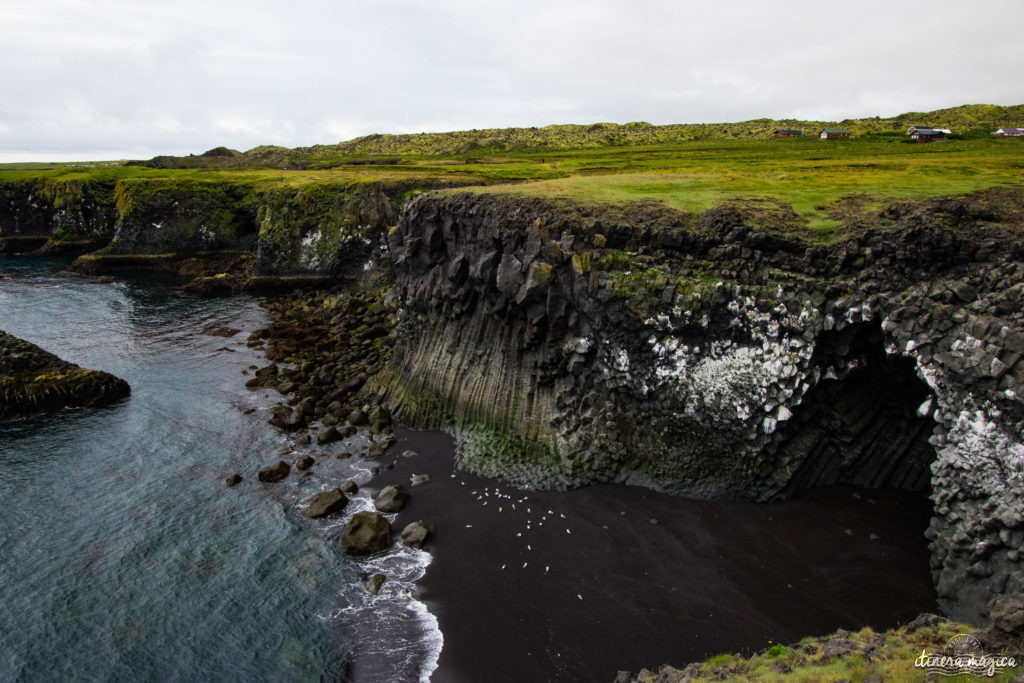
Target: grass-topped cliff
[(304, 209)]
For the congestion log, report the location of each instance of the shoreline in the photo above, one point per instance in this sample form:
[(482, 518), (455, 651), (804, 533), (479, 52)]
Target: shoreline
[(606, 589)]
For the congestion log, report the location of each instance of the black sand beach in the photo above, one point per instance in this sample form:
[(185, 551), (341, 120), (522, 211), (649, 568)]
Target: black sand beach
[(575, 586)]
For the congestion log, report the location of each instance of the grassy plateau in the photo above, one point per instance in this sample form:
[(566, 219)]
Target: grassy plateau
[(686, 167)]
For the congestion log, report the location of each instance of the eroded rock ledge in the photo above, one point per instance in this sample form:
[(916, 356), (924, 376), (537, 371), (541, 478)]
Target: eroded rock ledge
[(721, 357), (35, 381)]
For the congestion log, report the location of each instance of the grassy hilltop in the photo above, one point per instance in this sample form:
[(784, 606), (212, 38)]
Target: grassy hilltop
[(689, 167)]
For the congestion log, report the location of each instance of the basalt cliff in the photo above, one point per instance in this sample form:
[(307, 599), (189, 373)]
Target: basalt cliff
[(720, 355)]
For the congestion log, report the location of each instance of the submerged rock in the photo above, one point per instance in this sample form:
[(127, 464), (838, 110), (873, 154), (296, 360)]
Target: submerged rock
[(374, 583), (391, 498), (367, 532), (326, 503), (233, 480), (304, 462)]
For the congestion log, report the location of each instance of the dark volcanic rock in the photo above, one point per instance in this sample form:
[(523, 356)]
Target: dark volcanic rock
[(416, 533), (304, 462), (391, 498), (328, 435), (35, 381), (367, 532), (233, 480), (275, 472), (379, 418), (325, 503)]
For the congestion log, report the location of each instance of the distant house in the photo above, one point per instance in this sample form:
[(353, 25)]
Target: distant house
[(834, 134), (784, 133), (1008, 132), (927, 134)]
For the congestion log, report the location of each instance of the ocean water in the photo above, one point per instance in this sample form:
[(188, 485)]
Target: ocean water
[(122, 554)]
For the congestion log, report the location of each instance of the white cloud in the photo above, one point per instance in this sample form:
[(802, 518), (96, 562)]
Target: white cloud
[(91, 78)]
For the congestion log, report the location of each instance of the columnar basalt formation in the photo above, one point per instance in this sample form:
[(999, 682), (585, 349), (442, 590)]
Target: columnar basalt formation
[(721, 358)]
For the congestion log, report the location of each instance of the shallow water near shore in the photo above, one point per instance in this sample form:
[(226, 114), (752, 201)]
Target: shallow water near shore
[(122, 554), (124, 557)]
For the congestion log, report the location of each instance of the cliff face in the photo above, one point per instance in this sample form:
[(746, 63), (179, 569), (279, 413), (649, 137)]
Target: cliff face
[(325, 229), (717, 360), (320, 228), (60, 209)]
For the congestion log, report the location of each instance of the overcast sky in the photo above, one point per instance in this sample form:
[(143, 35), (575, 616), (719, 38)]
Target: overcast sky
[(109, 79)]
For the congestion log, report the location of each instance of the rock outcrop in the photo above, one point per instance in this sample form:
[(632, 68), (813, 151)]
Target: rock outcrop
[(35, 381), (719, 358)]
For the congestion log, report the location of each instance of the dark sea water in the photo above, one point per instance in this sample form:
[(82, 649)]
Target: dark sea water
[(122, 554)]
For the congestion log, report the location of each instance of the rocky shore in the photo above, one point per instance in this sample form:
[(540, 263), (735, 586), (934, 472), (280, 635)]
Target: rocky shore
[(35, 381), (731, 354)]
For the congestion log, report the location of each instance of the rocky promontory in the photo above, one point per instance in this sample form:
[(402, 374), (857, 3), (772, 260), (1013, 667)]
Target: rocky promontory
[(35, 381)]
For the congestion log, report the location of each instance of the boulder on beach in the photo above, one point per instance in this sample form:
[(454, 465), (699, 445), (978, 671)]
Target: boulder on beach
[(391, 498), (275, 472), (367, 532), (234, 479), (326, 503), (419, 479), (415, 534), (349, 487), (379, 418), (357, 417), (304, 462)]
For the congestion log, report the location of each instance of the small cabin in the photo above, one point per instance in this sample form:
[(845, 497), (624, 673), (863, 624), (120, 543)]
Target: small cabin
[(788, 133), (834, 134), (927, 134), (1008, 132)]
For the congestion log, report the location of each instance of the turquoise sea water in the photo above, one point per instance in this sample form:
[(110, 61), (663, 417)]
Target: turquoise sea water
[(122, 554)]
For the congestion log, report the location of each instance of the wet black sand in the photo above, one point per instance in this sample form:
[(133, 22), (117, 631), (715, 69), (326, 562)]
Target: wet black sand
[(576, 586)]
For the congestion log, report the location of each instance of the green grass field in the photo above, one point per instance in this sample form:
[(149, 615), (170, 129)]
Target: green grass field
[(618, 165)]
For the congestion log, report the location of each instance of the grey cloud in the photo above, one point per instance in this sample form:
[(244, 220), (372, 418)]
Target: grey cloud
[(114, 78)]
